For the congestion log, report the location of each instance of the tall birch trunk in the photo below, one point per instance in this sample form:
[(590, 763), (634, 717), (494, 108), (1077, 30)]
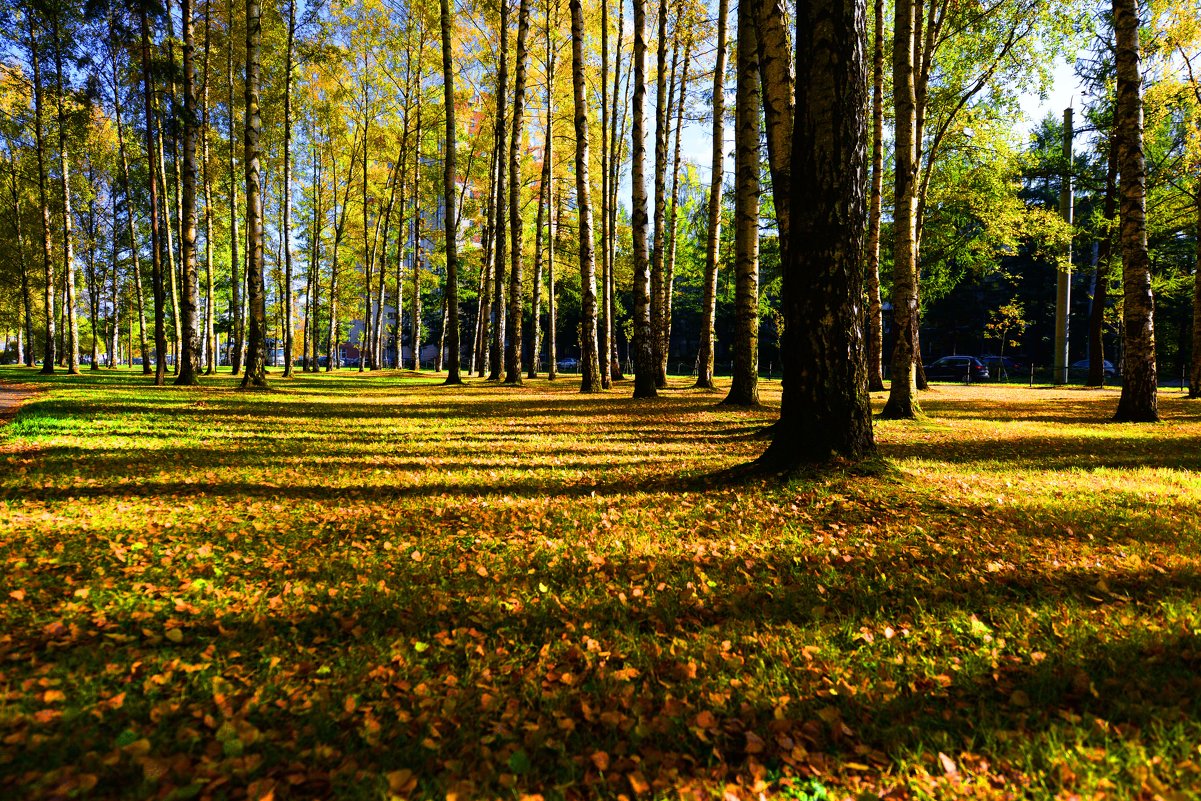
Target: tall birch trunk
[(64, 158), (704, 358), (450, 327), (644, 331), (256, 348), (875, 308), (514, 345), (589, 363), (744, 387), (190, 364)]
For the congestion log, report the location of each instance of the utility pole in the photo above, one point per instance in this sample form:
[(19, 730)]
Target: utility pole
[(1063, 293)]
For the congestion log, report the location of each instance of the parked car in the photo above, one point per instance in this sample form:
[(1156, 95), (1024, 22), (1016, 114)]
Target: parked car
[(957, 368), (1107, 365), (569, 364), (1007, 365)]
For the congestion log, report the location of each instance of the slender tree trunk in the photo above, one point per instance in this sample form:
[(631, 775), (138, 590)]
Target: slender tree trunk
[(26, 355), (552, 326), (1096, 316), (1139, 402), (160, 331), (644, 331), (902, 394), (744, 388), (288, 300), (543, 202), (416, 318), (778, 86), (169, 243), (256, 349), (826, 411), (315, 267), (210, 334), (451, 316), (606, 310), (658, 296), (589, 363), (43, 199), (1194, 383), (615, 154), (486, 269), (238, 324), (500, 252), (65, 184), (875, 308), (669, 268), (190, 364), (139, 299), (514, 344), (704, 358)]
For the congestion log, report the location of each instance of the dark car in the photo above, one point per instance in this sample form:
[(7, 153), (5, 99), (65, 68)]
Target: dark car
[(957, 368), (1082, 366), (569, 364)]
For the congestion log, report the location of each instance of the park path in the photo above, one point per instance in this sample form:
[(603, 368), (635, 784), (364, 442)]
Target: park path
[(11, 398)]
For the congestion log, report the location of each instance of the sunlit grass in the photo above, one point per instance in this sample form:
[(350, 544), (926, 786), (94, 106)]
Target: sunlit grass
[(358, 585)]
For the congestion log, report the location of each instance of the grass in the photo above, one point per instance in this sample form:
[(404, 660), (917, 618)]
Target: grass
[(361, 586)]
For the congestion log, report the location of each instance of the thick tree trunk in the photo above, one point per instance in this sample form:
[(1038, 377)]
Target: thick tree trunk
[(589, 363), (256, 348), (902, 394), (514, 344), (64, 158), (1139, 402), (1096, 315), (875, 308), (644, 334), (826, 410), (451, 316), (744, 387), (190, 364), (160, 332), (704, 358), (168, 243)]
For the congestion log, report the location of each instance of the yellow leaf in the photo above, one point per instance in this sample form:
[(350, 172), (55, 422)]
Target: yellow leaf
[(401, 781), (174, 635), (51, 696), (601, 760), (17, 594), (417, 556)]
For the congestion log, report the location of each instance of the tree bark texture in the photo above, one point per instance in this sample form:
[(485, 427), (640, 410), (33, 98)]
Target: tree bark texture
[(826, 409), (705, 354), (589, 362), (256, 347), (744, 387), (644, 337), (1139, 401)]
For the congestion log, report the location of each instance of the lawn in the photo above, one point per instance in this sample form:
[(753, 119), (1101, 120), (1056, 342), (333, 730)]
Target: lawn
[(360, 586)]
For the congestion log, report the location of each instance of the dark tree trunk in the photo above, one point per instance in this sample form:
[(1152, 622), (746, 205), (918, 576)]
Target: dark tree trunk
[(160, 332), (644, 333), (826, 410), (65, 187), (704, 358), (658, 298), (589, 362), (450, 328), (1139, 402), (190, 350), (500, 232), (902, 394), (514, 344), (256, 348), (875, 308), (1096, 315), (744, 388)]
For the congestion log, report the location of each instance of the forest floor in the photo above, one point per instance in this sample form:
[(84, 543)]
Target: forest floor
[(372, 586)]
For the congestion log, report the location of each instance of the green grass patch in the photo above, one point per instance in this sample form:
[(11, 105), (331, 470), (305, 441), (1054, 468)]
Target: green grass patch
[(364, 586)]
